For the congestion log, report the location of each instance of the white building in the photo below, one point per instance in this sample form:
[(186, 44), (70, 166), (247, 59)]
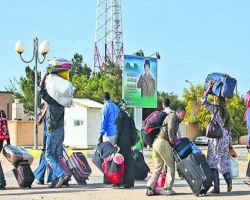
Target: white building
[(17, 111), (82, 123)]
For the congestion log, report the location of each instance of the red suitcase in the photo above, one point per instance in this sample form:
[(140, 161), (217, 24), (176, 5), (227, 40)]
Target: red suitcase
[(79, 167), (64, 166), (23, 174)]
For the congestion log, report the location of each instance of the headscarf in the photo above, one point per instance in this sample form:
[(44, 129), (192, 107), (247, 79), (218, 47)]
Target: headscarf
[(123, 106), (224, 114)]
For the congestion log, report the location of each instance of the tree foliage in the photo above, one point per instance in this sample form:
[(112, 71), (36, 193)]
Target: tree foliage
[(15, 88), (109, 79), (77, 67), (174, 103), (28, 86)]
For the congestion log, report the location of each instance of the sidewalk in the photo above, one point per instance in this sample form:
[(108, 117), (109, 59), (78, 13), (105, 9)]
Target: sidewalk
[(96, 190)]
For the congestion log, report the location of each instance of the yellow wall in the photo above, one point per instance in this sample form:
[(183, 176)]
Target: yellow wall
[(22, 133)]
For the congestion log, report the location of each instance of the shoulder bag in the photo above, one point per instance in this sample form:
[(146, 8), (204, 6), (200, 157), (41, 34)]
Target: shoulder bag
[(213, 129)]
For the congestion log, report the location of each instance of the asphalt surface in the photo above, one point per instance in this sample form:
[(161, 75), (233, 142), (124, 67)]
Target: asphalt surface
[(95, 189)]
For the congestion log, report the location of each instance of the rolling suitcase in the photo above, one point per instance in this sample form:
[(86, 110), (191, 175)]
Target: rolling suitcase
[(223, 84), (197, 173), (79, 167), (103, 150), (23, 174), (47, 171)]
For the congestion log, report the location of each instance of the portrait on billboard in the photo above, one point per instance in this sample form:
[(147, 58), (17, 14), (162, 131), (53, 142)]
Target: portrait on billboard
[(139, 81)]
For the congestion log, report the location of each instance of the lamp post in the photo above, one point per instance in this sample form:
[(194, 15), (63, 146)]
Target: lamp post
[(44, 48), (189, 82)]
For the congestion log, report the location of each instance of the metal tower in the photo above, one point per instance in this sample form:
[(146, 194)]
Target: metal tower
[(108, 34)]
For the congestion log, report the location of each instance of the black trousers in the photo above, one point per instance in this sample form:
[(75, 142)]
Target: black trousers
[(248, 170)]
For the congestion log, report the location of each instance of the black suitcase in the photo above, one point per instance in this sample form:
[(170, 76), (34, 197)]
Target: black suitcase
[(141, 169), (23, 174), (103, 150), (197, 173)]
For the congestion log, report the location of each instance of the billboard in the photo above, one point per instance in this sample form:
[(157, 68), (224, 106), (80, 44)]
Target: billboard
[(140, 81)]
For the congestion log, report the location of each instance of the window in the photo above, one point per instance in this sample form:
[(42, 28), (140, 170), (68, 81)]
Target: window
[(78, 122)]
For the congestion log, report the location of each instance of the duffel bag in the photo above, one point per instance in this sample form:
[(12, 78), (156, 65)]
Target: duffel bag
[(183, 147), (223, 84)]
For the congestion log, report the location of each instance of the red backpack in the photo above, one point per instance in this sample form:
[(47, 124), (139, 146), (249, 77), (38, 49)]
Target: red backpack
[(149, 127)]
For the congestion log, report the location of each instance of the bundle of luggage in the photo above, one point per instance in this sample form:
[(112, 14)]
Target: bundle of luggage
[(104, 150), (13, 154), (20, 158), (57, 82), (113, 168), (193, 166)]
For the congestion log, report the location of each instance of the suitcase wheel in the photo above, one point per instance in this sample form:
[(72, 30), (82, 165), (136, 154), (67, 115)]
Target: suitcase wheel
[(82, 183)]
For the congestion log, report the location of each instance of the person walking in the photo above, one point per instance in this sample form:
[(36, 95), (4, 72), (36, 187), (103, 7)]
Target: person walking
[(108, 116), (163, 153), (55, 136), (40, 170), (149, 138), (246, 118), (123, 141), (4, 135), (218, 148)]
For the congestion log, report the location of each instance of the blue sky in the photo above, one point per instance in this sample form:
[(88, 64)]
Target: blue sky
[(193, 37)]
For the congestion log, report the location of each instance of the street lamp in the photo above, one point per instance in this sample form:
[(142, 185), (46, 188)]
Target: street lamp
[(189, 82), (139, 53), (156, 54), (44, 48)]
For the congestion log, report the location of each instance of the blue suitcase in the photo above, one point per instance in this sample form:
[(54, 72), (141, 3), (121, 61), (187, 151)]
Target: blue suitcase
[(223, 84)]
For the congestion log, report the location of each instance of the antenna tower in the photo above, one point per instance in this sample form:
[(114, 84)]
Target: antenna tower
[(108, 33)]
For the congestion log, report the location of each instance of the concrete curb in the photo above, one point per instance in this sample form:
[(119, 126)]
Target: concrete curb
[(89, 153)]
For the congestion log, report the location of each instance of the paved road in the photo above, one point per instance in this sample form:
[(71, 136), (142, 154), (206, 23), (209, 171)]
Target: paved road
[(96, 190)]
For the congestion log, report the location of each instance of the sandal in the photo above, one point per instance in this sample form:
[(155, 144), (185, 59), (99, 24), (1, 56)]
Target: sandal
[(247, 182)]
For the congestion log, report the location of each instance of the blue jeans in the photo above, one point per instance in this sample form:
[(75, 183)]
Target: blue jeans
[(40, 170), (54, 149), (44, 132)]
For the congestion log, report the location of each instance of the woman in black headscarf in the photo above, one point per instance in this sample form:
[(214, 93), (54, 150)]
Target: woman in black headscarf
[(218, 148), (123, 140)]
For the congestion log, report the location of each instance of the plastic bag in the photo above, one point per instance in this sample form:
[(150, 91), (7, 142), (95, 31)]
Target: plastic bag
[(234, 166)]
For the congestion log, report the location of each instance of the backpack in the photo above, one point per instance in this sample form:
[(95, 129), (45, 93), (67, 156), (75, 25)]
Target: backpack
[(152, 125), (149, 122)]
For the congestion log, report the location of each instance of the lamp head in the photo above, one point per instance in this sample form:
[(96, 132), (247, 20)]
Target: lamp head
[(44, 47), (139, 53), (19, 47), (157, 55)]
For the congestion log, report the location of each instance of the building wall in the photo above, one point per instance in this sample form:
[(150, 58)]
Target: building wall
[(93, 126), (85, 135), (22, 133), (17, 111), (6, 103)]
